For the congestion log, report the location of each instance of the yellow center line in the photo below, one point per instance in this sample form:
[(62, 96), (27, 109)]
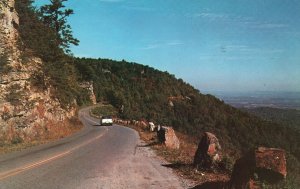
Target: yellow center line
[(47, 160)]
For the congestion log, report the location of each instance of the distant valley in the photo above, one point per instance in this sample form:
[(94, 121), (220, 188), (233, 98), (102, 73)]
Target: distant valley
[(249, 100), (279, 107)]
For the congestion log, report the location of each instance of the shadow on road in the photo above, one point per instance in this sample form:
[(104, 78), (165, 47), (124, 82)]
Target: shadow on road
[(178, 165), (211, 185)]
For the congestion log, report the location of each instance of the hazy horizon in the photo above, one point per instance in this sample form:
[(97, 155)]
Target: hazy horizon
[(249, 92), (215, 46)]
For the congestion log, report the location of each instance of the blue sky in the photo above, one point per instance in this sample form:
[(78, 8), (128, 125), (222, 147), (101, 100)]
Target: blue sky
[(220, 45)]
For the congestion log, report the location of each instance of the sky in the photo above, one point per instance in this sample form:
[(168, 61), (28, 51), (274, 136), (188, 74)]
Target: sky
[(220, 45)]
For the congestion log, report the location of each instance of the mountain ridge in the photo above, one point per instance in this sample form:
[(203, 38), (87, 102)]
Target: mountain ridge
[(196, 105)]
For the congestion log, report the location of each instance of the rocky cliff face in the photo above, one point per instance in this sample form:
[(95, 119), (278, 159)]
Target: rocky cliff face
[(90, 88), (26, 113)]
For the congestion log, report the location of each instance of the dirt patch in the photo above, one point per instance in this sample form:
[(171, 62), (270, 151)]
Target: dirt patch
[(53, 131)]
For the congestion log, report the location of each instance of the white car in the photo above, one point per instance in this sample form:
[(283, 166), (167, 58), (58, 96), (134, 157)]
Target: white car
[(106, 120)]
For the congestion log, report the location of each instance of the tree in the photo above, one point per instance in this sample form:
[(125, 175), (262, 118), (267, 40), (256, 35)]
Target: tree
[(36, 38), (55, 16)]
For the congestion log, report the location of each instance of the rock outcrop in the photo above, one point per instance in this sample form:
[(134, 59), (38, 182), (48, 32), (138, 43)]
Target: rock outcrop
[(172, 141), (271, 160), (90, 88), (26, 112), (9, 20), (167, 136), (263, 164), (208, 152)]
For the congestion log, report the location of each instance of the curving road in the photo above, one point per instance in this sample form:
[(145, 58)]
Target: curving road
[(96, 157)]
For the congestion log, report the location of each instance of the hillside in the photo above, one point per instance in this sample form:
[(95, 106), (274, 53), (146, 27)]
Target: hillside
[(141, 92), (160, 97)]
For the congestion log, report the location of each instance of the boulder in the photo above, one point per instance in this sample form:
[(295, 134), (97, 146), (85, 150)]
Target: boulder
[(208, 152), (261, 164), (271, 160), (171, 138), (167, 136)]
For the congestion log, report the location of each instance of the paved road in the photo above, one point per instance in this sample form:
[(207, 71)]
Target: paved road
[(96, 157)]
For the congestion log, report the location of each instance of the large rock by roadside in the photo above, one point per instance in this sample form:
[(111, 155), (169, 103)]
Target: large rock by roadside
[(271, 160), (167, 136), (208, 152), (171, 138), (262, 164)]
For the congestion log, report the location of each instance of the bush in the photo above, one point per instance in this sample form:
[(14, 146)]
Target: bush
[(57, 71)]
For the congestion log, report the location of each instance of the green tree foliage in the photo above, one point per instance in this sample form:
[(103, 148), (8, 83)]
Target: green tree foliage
[(35, 37), (63, 80), (146, 93), (55, 16), (289, 117), (42, 39)]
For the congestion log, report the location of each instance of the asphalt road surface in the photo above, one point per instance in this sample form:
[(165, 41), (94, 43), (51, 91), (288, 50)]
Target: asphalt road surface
[(96, 157)]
